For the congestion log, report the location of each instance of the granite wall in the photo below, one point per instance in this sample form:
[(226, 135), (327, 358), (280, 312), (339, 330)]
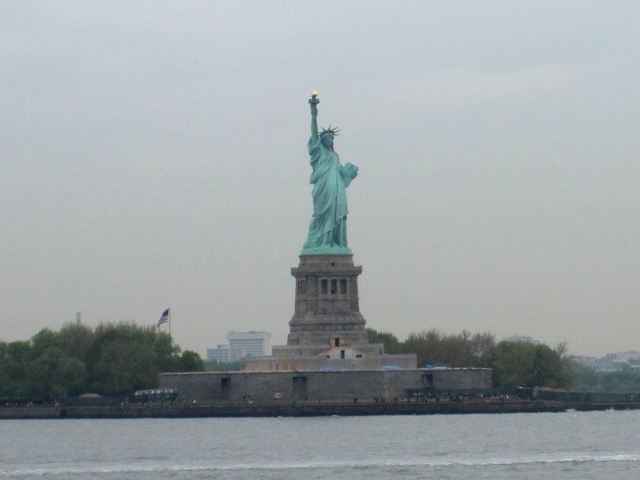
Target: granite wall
[(320, 386), (274, 363)]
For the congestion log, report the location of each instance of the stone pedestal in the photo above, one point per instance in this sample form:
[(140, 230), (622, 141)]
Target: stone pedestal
[(326, 302), (327, 330)]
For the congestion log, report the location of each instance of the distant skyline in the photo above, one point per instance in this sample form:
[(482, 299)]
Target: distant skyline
[(153, 155)]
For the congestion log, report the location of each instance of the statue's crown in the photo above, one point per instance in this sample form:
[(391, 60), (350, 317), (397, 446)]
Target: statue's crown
[(335, 131)]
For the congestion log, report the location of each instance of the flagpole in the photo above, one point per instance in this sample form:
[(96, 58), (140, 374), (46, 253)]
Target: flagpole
[(169, 322)]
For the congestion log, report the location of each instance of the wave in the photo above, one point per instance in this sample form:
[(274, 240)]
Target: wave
[(159, 468)]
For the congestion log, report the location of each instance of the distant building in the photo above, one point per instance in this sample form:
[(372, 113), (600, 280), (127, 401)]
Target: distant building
[(241, 345), (618, 360), (633, 363), (623, 357), (591, 362), (248, 344), (611, 362), (218, 354)]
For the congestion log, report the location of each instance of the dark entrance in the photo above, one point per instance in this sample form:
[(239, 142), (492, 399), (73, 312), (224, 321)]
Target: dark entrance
[(299, 388), (225, 387), (427, 380)]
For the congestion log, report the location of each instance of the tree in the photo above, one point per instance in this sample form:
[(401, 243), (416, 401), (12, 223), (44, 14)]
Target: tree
[(191, 362), (165, 353), (482, 345), (528, 364), (75, 340), (127, 357), (456, 350), (427, 345), (42, 340), (389, 340), (15, 358), (110, 359), (512, 364), (627, 379), (55, 374), (547, 367)]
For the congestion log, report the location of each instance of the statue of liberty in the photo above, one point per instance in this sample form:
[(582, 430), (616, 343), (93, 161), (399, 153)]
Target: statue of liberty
[(330, 179)]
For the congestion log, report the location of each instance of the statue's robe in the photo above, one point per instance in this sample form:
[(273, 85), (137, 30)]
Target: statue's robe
[(328, 227)]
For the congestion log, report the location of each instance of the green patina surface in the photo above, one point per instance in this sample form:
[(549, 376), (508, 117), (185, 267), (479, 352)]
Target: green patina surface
[(326, 251), (330, 179)]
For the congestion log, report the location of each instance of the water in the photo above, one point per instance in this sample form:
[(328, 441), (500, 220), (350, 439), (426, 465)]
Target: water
[(549, 446)]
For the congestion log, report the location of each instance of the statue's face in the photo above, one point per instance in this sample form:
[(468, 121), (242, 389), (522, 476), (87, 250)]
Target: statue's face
[(327, 141)]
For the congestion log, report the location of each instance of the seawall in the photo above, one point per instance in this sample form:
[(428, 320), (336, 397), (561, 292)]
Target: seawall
[(305, 409)]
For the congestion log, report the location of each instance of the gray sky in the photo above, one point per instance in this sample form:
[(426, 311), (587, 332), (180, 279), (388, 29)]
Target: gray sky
[(153, 154)]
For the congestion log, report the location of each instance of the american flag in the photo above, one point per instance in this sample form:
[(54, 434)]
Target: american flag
[(164, 318)]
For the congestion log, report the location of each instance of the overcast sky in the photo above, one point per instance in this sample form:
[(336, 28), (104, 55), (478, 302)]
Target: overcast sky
[(153, 155)]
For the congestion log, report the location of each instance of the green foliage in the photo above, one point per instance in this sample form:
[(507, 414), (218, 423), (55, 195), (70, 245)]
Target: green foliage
[(114, 359), (76, 340), (529, 365), (110, 359), (41, 341), (126, 357), (588, 379), (15, 358), (55, 374), (513, 363), (456, 350), (191, 362), (389, 340)]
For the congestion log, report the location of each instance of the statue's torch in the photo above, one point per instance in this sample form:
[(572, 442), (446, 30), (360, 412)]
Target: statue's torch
[(314, 98)]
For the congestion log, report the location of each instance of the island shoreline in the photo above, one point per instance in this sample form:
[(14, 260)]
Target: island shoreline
[(305, 409)]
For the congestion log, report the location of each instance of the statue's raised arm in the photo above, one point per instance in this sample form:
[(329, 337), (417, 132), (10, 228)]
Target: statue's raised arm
[(313, 103)]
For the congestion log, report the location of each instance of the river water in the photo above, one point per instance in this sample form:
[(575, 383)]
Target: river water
[(547, 446)]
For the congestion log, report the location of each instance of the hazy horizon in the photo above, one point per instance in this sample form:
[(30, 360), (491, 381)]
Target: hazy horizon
[(153, 155)]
